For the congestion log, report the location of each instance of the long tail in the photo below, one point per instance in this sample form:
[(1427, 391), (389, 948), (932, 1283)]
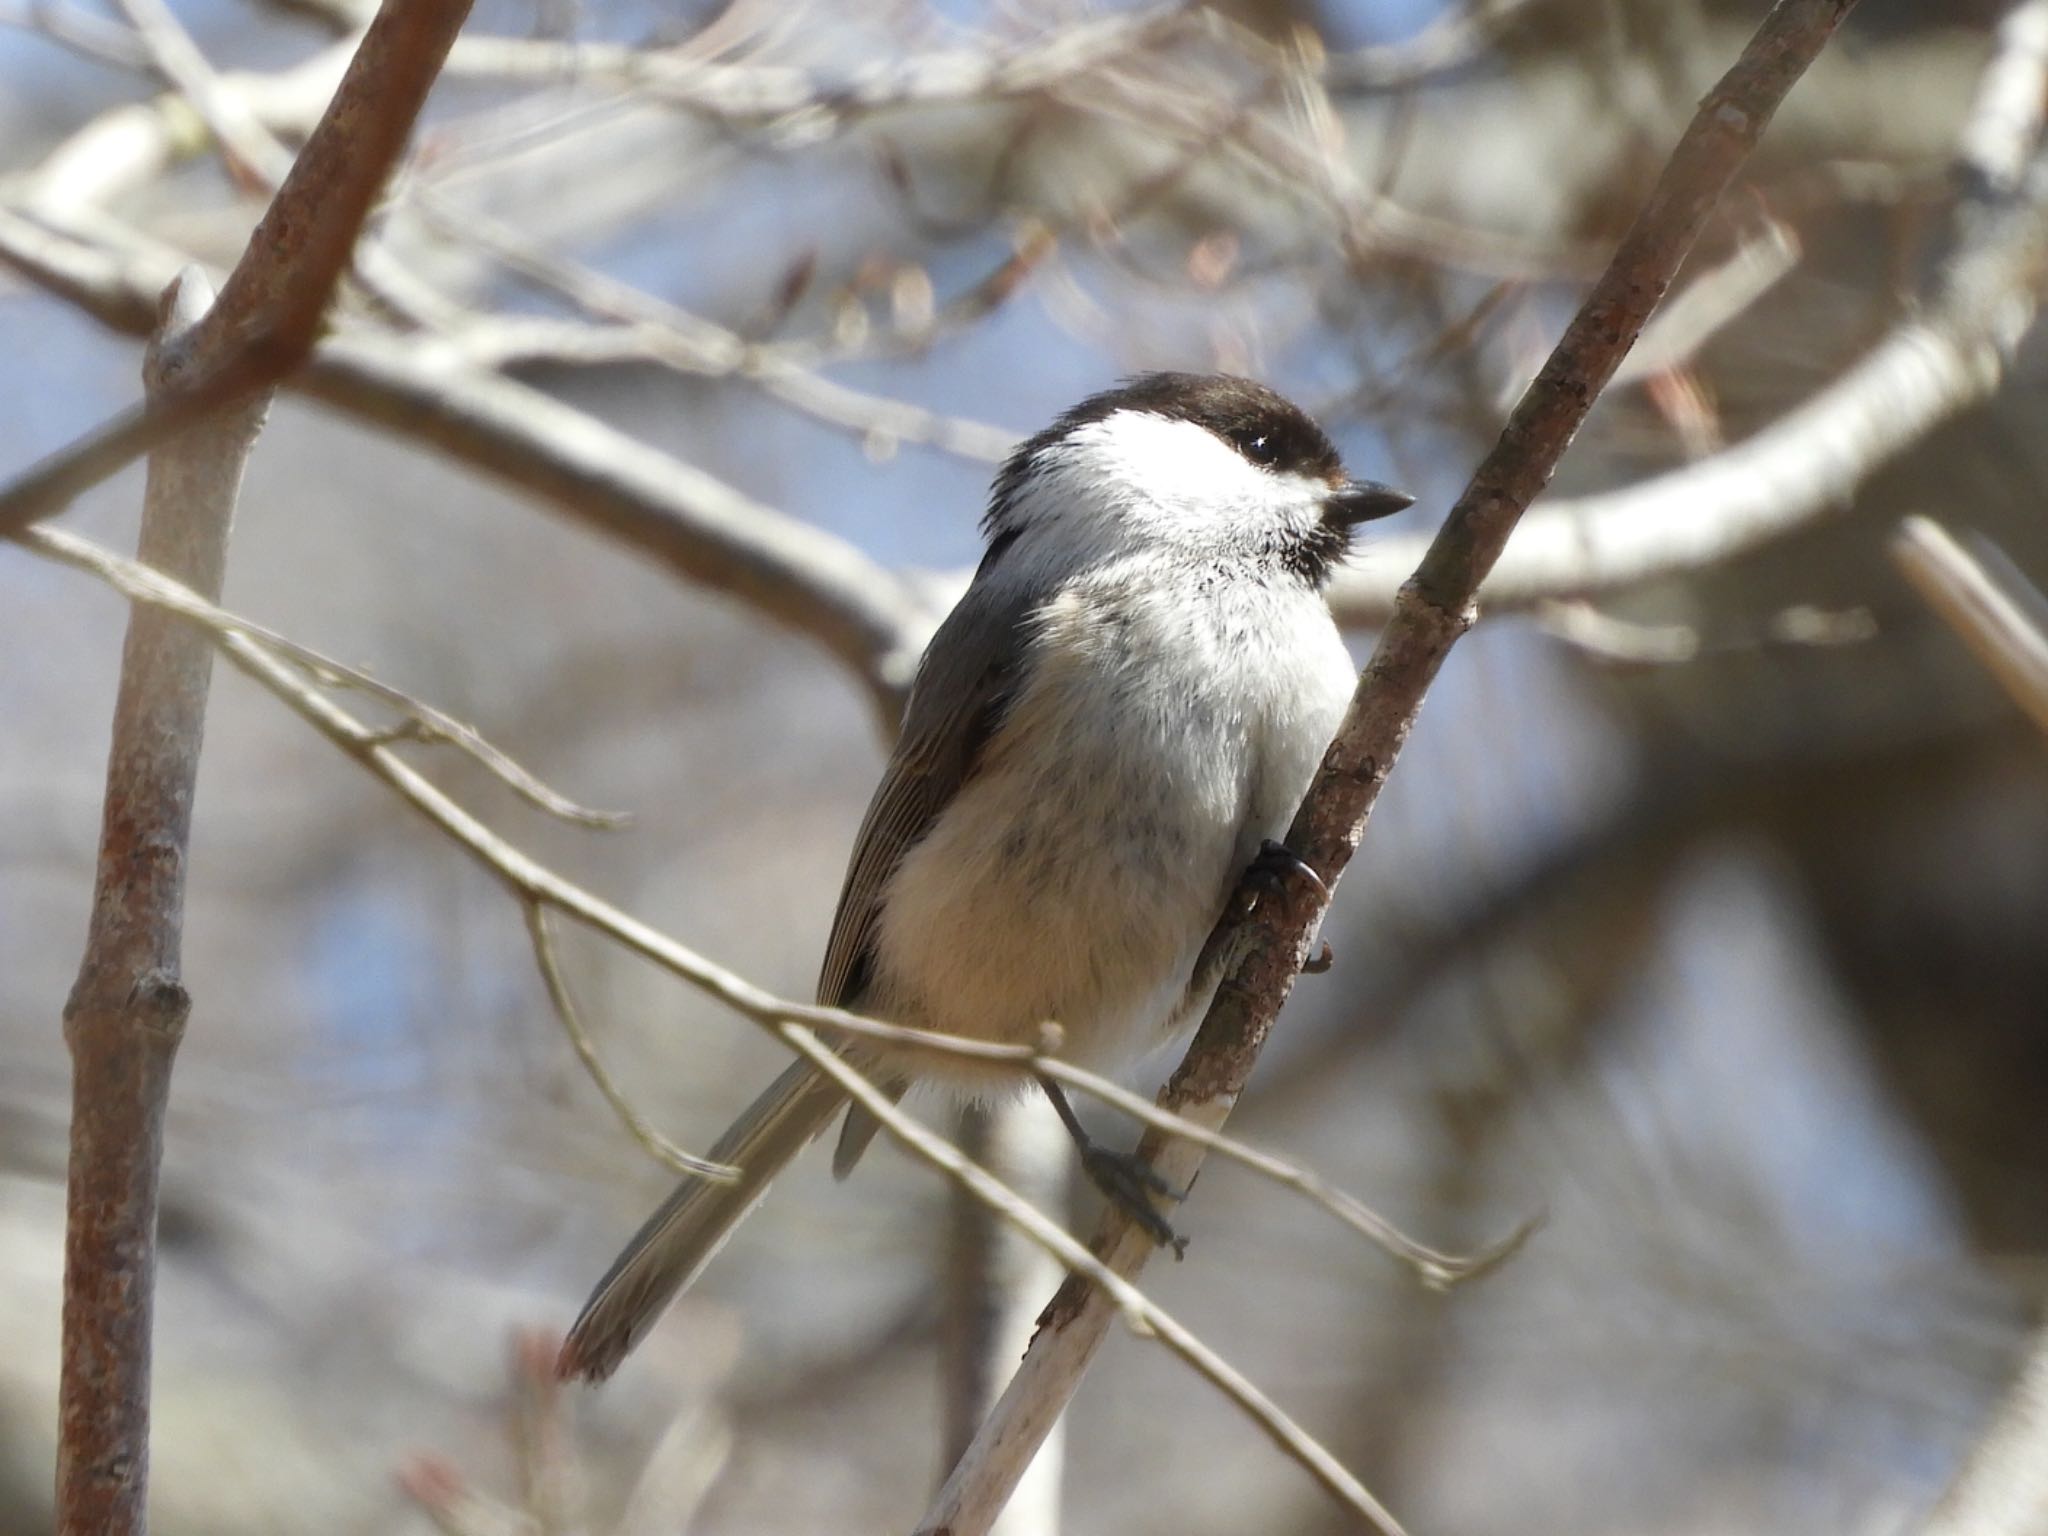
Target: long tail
[(678, 1240)]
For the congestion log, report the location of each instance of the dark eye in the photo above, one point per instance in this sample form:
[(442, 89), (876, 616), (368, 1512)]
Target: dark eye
[(1259, 447)]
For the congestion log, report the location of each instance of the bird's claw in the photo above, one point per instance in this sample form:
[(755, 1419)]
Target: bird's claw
[(1275, 864), (1128, 1182)]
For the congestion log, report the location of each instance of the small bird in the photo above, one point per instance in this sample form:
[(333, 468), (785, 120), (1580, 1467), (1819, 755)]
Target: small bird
[(1110, 728)]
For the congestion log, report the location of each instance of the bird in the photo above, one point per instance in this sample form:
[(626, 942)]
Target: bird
[(1116, 721)]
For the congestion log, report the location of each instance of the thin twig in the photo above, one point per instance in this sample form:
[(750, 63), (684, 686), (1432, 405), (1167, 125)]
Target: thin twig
[(420, 721), (654, 330), (658, 1146), (1144, 1316), (1435, 607)]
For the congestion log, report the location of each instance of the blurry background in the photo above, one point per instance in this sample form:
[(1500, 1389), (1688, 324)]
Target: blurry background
[(1704, 915)]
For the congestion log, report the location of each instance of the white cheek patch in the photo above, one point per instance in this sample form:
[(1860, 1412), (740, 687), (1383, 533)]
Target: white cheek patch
[(1169, 477), (1171, 460)]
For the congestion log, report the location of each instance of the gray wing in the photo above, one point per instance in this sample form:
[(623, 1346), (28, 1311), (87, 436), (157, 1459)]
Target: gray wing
[(969, 674)]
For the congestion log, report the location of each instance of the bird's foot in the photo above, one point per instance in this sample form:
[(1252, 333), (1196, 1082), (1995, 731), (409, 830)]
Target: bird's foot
[(1267, 875), (1274, 865), (1130, 1183)]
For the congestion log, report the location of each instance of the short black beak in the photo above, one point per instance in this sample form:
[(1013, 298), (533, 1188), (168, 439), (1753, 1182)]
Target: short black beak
[(1360, 501)]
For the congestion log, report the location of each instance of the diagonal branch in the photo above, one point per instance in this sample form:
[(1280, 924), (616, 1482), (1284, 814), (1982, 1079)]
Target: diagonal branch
[(1950, 353), (268, 314), (1434, 608), (1987, 601)]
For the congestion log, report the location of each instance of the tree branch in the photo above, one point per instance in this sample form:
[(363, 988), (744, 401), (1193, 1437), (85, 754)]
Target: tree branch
[(1987, 601), (266, 319), (1434, 607), (1951, 353), (205, 380), (127, 1010)]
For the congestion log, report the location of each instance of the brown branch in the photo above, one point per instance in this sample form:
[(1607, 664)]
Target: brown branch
[(268, 314), (1434, 608), (126, 1013), (205, 380), (1949, 354)]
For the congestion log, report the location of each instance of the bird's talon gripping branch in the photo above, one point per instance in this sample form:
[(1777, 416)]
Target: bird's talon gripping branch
[(1126, 1180), (1129, 1183), (1274, 865), (1320, 962)]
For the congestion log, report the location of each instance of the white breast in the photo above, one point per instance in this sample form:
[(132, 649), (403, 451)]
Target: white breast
[(1160, 735)]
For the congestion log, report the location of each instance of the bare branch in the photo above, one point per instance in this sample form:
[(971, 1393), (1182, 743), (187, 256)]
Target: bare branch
[(265, 321), (1433, 609), (1139, 1312), (419, 720), (677, 514), (127, 1010), (689, 521), (656, 331), (658, 1146), (1988, 602)]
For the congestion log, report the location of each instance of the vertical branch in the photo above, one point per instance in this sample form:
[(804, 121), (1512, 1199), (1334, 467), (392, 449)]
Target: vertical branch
[(127, 1009), (994, 1279), (208, 380)]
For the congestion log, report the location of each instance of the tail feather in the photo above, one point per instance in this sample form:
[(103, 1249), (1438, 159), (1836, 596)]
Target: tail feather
[(860, 1128), (678, 1240)]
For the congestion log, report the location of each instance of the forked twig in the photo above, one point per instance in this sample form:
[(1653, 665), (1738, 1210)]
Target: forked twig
[(419, 720)]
